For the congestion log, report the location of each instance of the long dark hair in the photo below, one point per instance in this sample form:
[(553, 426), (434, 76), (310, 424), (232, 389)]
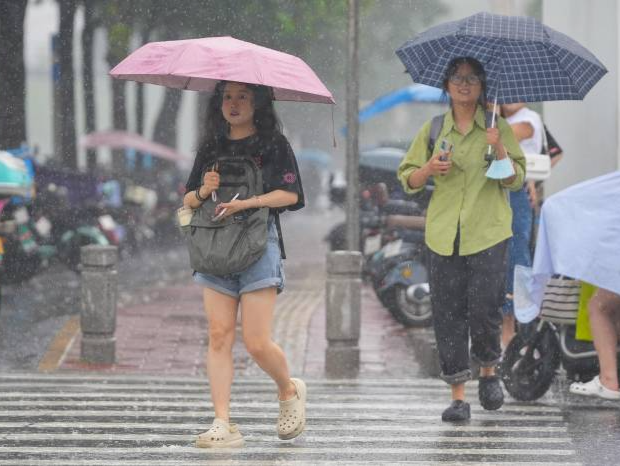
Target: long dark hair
[(478, 70), (265, 118)]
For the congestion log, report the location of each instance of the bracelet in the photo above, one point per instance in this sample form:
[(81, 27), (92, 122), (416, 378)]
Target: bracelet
[(197, 193)]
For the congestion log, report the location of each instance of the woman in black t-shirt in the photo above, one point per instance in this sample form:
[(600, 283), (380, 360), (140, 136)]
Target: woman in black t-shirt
[(241, 120)]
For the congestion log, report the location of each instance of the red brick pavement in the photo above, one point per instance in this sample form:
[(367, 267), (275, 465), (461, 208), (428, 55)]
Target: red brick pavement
[(385, 347), (164, 336), (167, 335)]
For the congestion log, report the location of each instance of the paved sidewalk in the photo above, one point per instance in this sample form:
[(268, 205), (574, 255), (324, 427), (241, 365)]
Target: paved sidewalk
[(164, 331), (168, 336)]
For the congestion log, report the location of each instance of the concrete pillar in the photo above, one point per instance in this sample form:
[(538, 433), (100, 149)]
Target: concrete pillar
[(98, 314), (343, 303)]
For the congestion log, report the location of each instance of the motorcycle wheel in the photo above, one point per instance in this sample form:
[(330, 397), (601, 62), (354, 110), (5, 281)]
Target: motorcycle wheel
[(410, 313), (530, 363)]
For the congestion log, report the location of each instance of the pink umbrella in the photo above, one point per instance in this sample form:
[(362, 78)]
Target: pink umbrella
[(128, 140), (198, 64)]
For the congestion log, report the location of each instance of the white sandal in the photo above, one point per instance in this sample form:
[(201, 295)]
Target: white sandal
[(292, 418), (594, 388), (220, 435)]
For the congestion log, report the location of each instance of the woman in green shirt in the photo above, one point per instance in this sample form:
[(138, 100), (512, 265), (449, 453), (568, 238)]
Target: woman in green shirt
[(467, 225)]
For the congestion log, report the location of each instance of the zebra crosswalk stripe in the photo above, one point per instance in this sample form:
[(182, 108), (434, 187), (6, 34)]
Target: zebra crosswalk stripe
[(96, 420)]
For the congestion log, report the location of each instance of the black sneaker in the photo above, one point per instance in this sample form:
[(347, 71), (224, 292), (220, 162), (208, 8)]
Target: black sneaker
[(457, 411), (490, 392)]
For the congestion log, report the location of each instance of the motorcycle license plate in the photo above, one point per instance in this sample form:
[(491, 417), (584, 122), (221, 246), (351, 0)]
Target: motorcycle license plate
[(372, 244), (393, 248)]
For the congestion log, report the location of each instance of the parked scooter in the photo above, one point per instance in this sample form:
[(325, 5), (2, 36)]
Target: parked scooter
[(61, 230), (535, 354), (19, 256), (398, 270)]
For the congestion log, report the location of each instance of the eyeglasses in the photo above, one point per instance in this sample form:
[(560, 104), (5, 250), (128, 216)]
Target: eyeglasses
[(470, 79)]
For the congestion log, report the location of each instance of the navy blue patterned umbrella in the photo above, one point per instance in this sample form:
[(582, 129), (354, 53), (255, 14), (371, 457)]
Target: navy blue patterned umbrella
[(525, 61)]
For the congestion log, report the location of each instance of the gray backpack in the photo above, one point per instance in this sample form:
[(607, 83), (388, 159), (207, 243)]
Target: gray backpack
[(230, 245)]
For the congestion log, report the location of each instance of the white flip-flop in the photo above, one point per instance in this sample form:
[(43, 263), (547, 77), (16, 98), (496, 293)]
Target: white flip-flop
[(594, 388)]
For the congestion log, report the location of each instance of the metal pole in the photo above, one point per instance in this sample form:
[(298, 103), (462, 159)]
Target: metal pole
[(344, 268), (353, 184)]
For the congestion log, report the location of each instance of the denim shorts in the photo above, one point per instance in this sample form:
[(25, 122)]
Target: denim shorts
[(267, 272)]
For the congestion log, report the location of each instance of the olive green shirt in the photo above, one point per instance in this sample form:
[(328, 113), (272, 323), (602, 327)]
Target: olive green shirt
[(465, 197)]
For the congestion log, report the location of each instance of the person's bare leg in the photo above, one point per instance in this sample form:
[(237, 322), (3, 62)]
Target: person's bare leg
[(221, 313), (458, 391), (257, 309), (508, 329), (603, 310)]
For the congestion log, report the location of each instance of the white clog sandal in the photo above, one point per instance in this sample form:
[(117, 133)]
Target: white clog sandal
[(220, 435), (292, 418), (594, 388)]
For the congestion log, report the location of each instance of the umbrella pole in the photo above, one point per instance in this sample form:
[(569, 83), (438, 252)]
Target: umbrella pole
[(488, 157), (498, 169)]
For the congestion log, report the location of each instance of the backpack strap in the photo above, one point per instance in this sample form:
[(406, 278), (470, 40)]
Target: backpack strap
[(280, 239), (436, 126)]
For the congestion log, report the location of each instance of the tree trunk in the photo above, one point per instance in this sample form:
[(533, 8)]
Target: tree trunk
[(140, 108), (90, 25), (66, 148), (144, 37), (119, 121), (165, 131), (12, 74), (119, 34)]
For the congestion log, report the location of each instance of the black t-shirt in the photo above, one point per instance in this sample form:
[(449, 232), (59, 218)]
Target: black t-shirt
[(273, 155)]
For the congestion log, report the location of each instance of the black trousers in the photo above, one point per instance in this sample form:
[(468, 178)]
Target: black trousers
[(467, 293)]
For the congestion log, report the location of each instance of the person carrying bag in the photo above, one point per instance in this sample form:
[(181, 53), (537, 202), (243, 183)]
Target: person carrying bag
[(244, 175)]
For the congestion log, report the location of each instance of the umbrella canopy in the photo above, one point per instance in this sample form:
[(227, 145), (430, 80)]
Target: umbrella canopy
[(413, 93), (198, 64), (525, 61), (128, 140)]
